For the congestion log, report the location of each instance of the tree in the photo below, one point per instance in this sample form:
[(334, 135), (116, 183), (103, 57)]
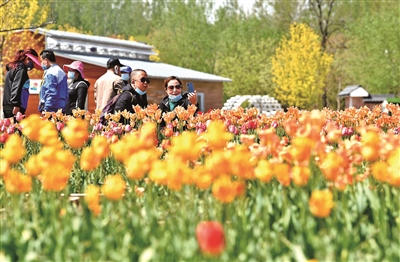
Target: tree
[(327, 25), (300, 68), (374, 48), (20, 15), (246, 66), (283, 13), (186, 38)]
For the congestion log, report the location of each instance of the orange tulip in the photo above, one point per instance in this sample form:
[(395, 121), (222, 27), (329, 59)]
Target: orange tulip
[(282, 173), (224, 189), (17, 183), (31, 127), (54, 177), (114, 187), (321, 203), (394, 168), (76, 133), (300, 175), (217, 136), (4, 166), (92, 198), (380, 171), (13, 150), (89, 159), (32, 167), (264, 171)]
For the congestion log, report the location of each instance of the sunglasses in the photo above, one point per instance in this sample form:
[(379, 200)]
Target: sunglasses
[(144, 79), (172, 87)]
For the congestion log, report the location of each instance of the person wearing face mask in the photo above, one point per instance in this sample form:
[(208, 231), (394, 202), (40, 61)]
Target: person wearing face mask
[(54, 89), (109, 84), (134, 93), (78, 87), (174, 98), (125, 74), (15, 96)]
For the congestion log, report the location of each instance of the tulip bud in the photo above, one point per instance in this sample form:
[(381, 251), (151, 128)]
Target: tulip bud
[(98, 127), (19, 116), (211, 238), (10, 130), (60, 126), (7, 122), (3, 137), (127, 128)]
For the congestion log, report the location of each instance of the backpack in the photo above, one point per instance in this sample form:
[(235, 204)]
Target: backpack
[(110, 106)]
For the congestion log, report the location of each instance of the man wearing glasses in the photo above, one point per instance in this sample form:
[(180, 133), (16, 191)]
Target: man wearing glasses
[(134, 93)]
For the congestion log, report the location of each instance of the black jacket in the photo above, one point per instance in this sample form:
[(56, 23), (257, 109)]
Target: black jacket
[(183, 102), (130, 98), (14, 81), (77, 92)]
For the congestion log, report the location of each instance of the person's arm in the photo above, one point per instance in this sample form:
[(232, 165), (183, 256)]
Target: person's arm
[(118, 85), (193, 98), (16, 87), (81, 90), (50, 95), (124, 102)]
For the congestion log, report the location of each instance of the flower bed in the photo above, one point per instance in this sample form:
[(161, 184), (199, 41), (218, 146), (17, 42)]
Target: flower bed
[(227, 185)]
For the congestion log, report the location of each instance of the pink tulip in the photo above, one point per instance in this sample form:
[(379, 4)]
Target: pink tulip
[(127, 128), (60, 126), (19, 117), (98, 127)]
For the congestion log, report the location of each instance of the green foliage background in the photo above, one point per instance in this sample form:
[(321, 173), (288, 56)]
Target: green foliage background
[(363, 36)]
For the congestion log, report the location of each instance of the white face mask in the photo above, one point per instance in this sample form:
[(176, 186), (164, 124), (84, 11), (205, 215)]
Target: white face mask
[(173, 98), (140, 92), (125, 77), (71, 75)]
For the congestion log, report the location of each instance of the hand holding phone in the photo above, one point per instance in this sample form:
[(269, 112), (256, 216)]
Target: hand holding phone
[(190, 87)]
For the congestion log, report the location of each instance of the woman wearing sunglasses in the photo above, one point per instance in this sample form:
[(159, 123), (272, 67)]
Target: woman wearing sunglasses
[(175, 97), (133, 94)]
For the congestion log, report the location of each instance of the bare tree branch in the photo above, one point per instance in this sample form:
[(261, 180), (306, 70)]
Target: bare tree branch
[(4, 3), (29, 27)]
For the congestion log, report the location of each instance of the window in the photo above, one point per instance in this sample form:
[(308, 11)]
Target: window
[(200, 100)]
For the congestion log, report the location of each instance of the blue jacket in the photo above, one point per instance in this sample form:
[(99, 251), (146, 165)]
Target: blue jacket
[(54, 90)]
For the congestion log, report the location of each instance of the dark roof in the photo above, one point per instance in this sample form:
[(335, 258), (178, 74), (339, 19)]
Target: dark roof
[(348, 89), (377, 98)]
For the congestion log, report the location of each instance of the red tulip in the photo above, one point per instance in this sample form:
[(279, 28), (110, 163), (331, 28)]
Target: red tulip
[(211, 238), (60, 126), (3, 137)]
